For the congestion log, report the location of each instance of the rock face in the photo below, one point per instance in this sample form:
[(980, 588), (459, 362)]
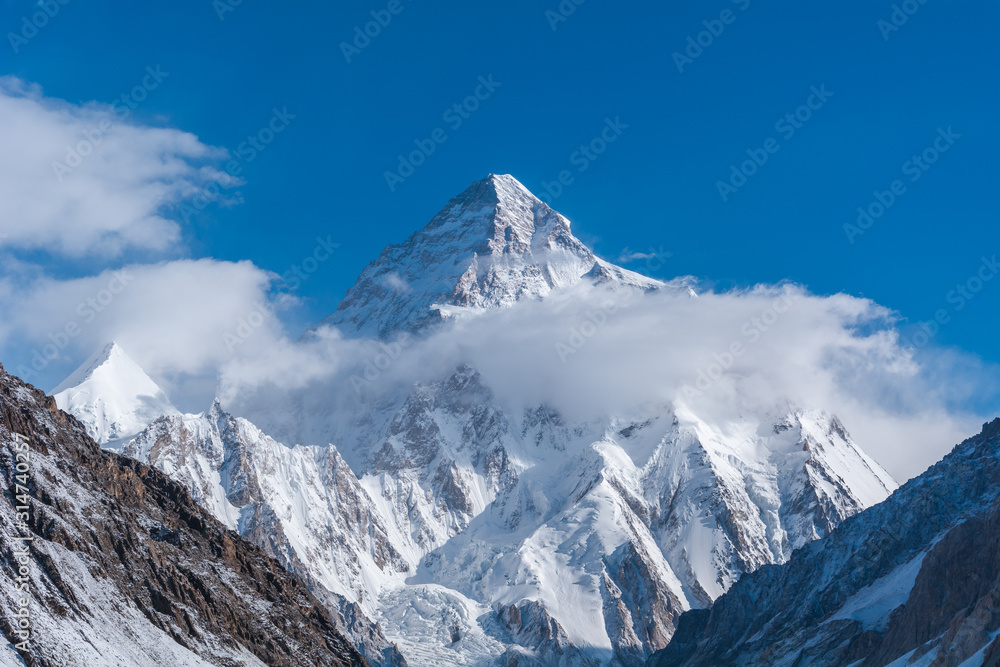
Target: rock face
[(914, 580), (124, 568)]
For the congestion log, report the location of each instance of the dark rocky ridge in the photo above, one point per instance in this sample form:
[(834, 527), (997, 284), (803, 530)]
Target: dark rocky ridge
[(125, 563), (788, 614)]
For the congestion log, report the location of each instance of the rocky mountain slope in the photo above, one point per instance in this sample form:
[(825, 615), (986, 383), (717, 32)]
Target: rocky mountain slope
[(912, 581), (119, 566)]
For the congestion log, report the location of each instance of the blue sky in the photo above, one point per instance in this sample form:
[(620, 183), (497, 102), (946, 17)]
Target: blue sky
[(894, 92)]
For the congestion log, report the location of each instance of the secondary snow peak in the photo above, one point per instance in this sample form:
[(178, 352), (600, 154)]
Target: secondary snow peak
[(112, 395)]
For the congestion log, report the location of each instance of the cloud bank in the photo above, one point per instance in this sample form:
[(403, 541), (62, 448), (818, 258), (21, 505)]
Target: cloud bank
[(592, 352)]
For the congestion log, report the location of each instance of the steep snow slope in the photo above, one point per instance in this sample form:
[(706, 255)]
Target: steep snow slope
[(913, 580), (122, 568), (113, 396)]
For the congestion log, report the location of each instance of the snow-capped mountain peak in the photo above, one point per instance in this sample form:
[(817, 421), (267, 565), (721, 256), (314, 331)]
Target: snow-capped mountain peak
[(112, 396), (489, 247)]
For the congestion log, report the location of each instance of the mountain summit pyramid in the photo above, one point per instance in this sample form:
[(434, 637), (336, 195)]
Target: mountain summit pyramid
[(491, 246)]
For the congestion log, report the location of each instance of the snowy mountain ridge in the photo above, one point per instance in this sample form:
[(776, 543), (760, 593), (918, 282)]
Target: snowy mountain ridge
[(473, 531)]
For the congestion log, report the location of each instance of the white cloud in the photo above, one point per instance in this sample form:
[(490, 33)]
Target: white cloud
[(395, 282), (836, 353), (115, 198), (627, 256)]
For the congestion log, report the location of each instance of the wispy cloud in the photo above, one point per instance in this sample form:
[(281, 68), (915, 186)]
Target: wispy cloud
[(123, 182)]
